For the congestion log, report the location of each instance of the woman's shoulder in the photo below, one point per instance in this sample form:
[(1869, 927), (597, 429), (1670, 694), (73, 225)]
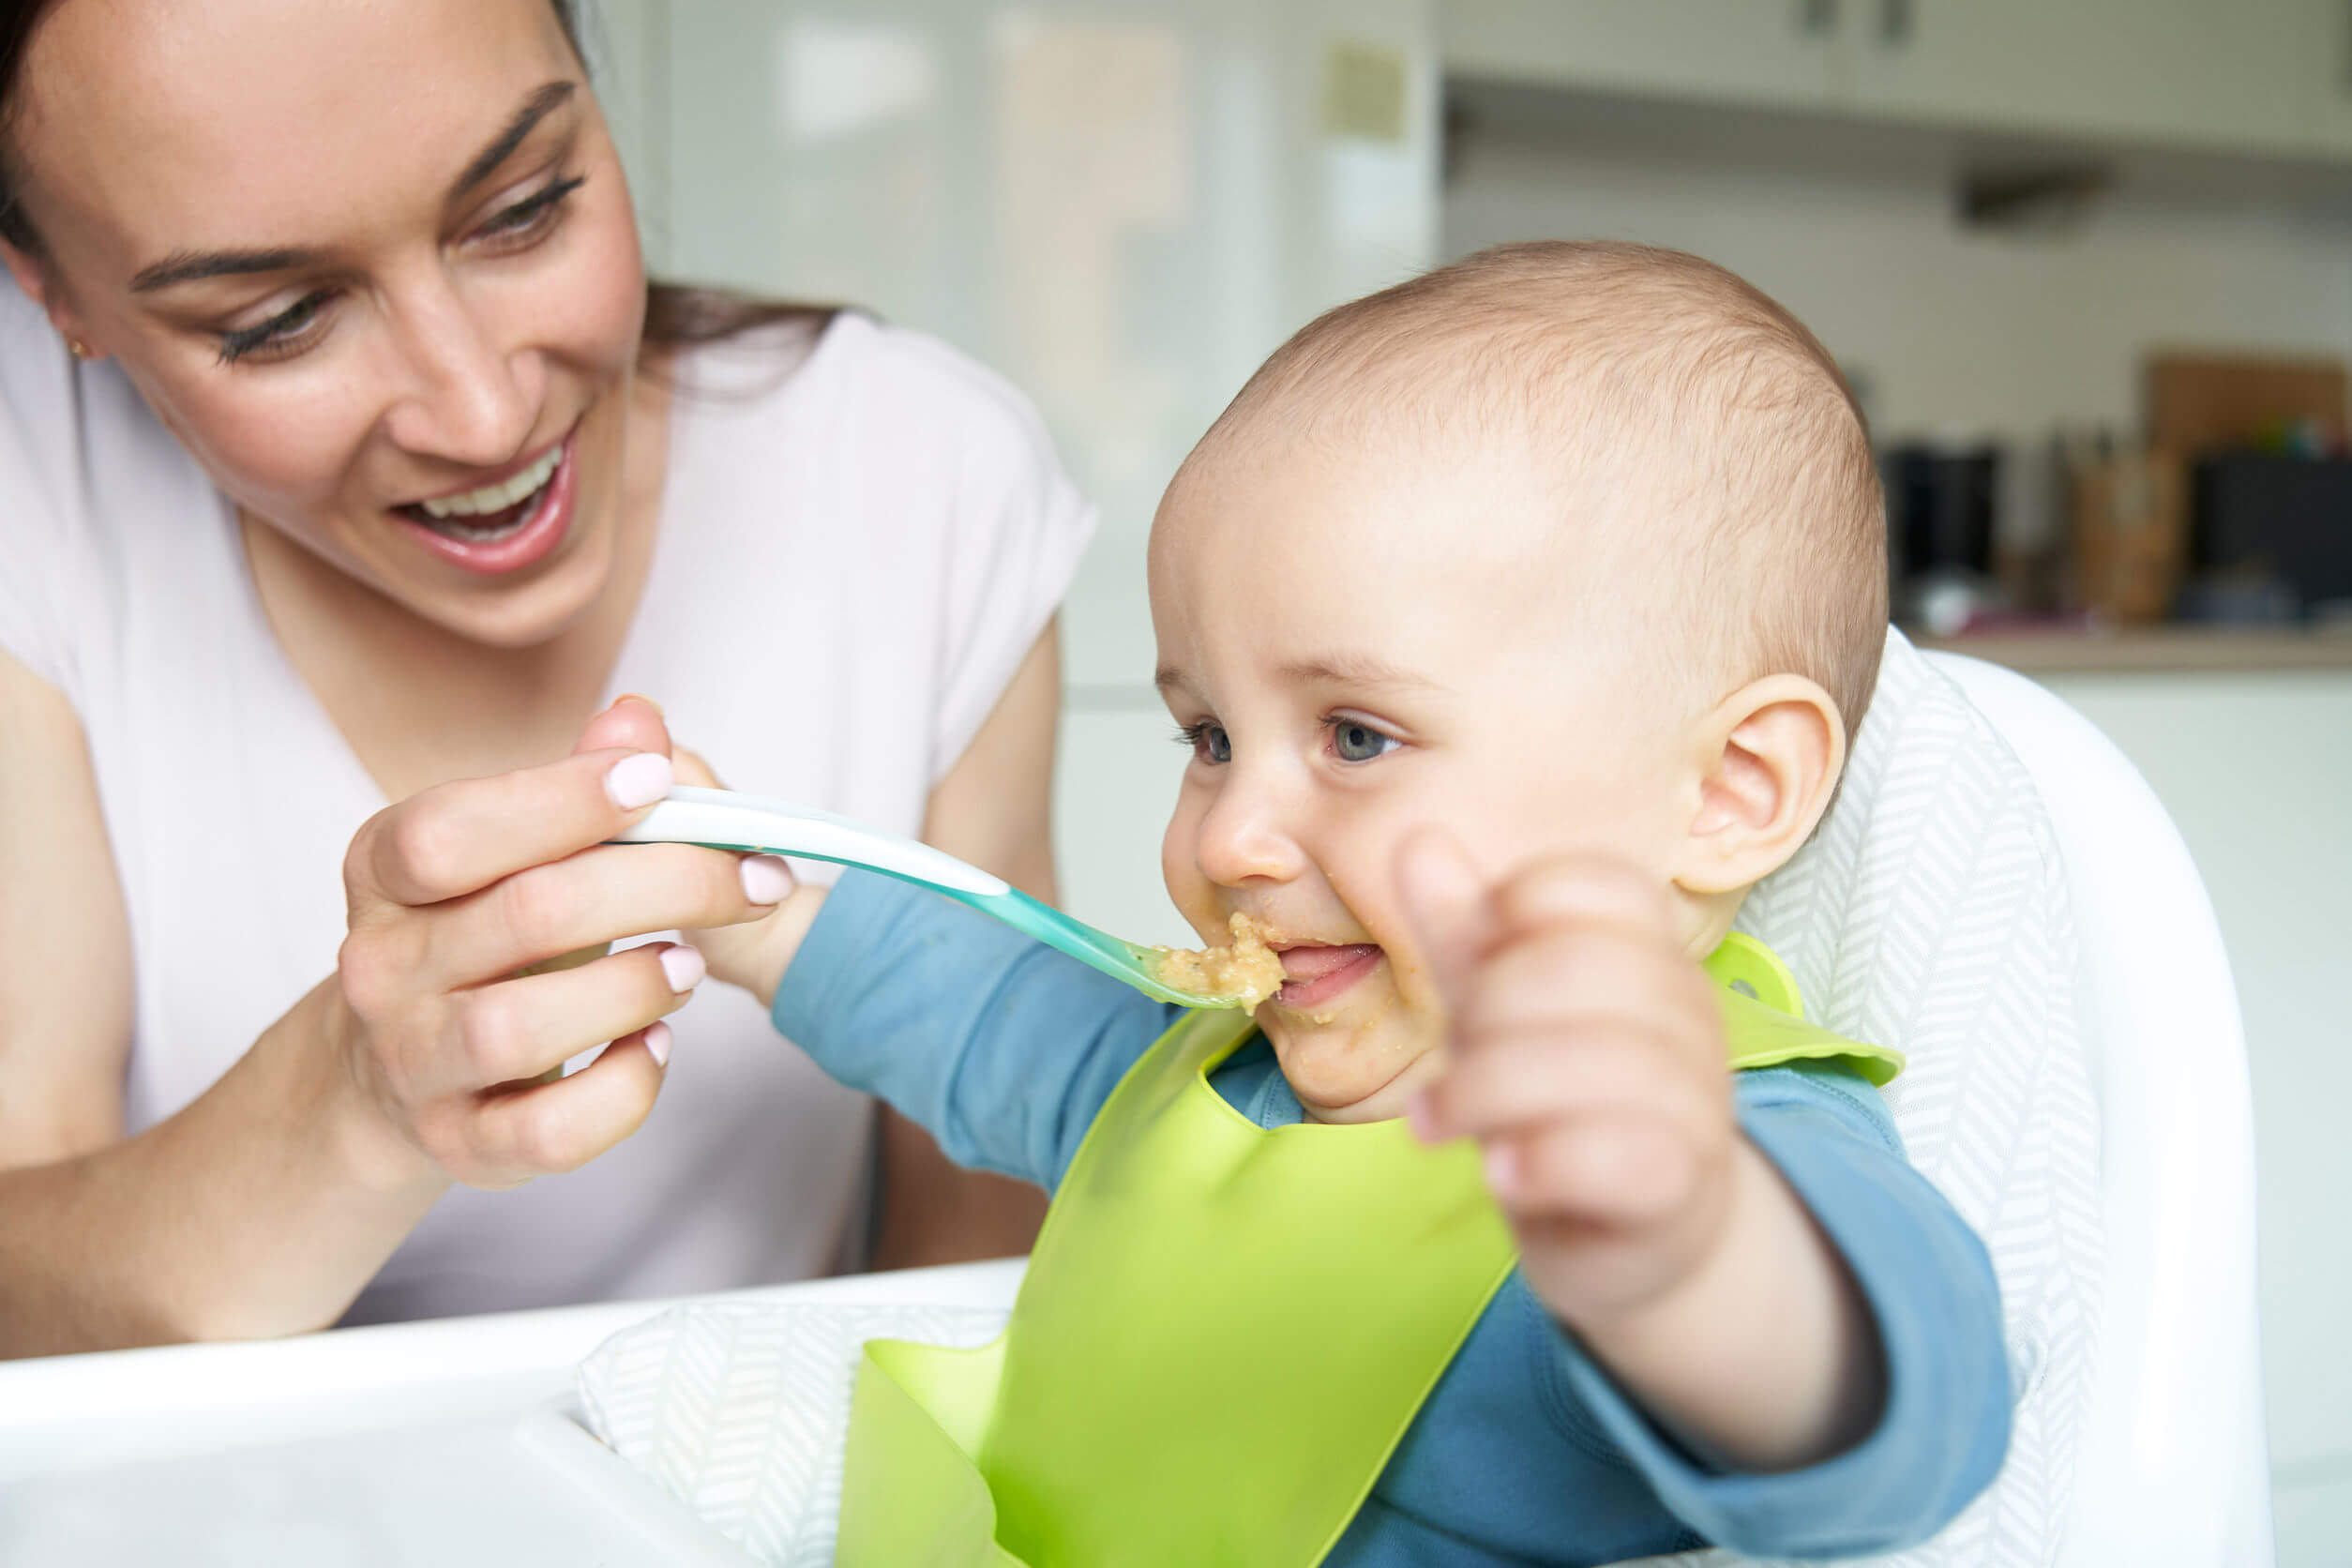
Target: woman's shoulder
[(863, 376)]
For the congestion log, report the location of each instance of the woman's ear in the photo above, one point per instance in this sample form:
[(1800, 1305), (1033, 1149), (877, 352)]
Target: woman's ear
[(34, 282), (1769, 758), (27, 273)]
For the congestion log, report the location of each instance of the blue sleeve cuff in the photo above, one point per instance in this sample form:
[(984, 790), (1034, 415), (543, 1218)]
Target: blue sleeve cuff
[(1001, 1047), (1929, 1283)]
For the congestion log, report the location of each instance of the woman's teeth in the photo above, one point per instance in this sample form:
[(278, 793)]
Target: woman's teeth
[(490, 500)]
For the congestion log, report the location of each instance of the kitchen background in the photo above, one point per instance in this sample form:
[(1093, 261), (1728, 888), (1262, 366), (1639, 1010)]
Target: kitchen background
[(2038, 233)]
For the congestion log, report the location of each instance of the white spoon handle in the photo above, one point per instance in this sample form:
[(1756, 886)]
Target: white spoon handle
[(692, 816)]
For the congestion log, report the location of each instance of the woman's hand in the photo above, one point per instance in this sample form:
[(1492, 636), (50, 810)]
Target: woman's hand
[(456, 889)]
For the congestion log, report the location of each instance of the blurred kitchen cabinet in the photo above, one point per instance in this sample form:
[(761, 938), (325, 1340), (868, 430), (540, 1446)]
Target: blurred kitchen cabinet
[(2218, 73), (2327, 76), (2266, 78), (1765, 51)]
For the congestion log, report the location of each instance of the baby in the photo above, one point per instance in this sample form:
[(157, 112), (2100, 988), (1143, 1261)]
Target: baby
[(1516, 620)]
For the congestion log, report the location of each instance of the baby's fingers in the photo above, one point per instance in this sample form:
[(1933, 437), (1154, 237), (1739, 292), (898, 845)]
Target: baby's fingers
[(1443, 897), (1517, 1079), (1617, 1170)]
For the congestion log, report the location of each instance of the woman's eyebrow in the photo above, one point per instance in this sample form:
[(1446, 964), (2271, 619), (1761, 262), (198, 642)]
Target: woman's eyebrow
[(187, 267), (537, 107), (184, 266)]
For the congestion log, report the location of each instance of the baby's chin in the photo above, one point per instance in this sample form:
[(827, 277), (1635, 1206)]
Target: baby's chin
[(1349, 1069)]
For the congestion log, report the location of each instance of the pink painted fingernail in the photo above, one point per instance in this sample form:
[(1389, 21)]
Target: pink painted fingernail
[(767, 880), (683, 967), (657, 1043), (640, 780)]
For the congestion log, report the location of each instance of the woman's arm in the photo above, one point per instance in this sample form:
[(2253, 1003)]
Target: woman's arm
[(221, 1221), (265, 1204), (993, 810)]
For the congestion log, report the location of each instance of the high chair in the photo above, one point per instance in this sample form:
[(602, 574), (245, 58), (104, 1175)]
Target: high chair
[(1998, 893), (2171, 1466)]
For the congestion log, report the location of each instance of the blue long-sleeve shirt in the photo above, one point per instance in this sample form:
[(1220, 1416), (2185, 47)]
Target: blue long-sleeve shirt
[(1525, 1450)]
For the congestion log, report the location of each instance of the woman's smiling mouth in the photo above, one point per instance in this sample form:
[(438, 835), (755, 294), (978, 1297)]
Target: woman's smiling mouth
[(507, 524), (1318, 972)]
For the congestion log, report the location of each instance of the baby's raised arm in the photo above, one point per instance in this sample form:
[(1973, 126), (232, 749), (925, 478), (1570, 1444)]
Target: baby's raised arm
[(1587, 1055)]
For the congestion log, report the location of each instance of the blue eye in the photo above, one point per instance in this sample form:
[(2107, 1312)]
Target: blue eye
[(1359, 743), (1209, 742)]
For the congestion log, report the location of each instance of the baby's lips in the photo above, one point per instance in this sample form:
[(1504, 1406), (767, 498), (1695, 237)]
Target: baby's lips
[(1313, 962)]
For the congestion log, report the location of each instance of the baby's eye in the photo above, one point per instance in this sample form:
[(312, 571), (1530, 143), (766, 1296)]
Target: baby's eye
[(1356, 741), (1209, 742)]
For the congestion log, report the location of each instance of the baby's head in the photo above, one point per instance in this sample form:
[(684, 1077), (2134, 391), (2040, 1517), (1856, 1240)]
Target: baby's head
[(1562, 546)]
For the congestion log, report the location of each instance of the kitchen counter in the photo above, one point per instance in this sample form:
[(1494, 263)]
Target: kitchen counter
[(2156, 649)]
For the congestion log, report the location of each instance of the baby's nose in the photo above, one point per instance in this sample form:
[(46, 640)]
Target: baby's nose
[(1245, 838)]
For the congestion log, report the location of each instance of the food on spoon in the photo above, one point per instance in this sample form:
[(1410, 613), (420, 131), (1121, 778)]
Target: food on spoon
[(1244, 968)]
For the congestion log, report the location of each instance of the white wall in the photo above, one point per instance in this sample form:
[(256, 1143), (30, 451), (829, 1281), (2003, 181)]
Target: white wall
[(1122, 206), (2253, 769)]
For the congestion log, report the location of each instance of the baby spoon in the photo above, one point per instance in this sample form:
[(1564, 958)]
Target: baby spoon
[(724, 820)]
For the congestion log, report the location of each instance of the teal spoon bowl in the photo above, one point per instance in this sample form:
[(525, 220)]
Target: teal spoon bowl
[(724, 820)]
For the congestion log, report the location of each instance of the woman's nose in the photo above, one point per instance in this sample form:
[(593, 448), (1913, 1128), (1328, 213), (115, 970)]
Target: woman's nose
[(1246, 835), (468, 397)]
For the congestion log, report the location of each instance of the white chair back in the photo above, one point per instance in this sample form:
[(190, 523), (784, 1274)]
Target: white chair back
[(2170, 1468)]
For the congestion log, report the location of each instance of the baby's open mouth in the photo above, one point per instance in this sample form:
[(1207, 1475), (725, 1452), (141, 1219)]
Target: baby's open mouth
[(1244, 969), (1316, 973)]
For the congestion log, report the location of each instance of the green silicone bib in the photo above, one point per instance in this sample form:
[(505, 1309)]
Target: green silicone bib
[(1223, 1334)]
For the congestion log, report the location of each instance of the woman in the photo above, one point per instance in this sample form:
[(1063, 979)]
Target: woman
[(341, 456)]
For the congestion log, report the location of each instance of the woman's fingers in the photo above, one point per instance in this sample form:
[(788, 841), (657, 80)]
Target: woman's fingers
[(516, 1030), (555, 1128), (599, 895), (632, 723), (459, 839)]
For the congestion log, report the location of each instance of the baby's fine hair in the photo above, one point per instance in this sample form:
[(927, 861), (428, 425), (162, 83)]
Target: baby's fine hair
[(1648, 368)]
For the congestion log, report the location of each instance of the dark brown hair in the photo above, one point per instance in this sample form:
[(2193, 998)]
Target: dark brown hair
[(677, 316)]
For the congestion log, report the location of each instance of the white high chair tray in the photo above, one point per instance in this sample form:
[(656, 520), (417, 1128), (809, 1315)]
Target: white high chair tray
[(449, 1443)]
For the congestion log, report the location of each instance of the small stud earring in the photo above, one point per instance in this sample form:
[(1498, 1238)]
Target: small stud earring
[(77, 348)]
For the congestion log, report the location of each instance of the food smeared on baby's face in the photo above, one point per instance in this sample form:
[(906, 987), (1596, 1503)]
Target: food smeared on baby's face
[(1245, 969)]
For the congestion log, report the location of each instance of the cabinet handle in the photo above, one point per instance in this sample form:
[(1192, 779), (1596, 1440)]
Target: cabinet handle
[(1895, 21), (1818, 19)]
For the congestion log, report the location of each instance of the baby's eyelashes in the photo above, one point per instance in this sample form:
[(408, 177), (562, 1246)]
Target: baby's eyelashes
[(1209, 742)]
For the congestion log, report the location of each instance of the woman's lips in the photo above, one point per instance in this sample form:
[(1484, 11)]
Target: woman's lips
[(1318, 973), (551, 519)]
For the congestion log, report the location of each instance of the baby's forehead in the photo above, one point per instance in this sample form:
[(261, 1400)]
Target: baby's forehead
[(1397, 525)]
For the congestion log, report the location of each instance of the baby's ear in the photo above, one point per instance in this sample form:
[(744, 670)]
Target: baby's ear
[(1769, 758)]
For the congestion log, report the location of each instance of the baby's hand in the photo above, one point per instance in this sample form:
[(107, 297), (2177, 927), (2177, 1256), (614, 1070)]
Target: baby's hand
[(756, 954), (1585, 1053)]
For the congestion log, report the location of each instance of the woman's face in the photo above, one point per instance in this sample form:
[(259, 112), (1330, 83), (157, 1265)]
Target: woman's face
[(373, 264)]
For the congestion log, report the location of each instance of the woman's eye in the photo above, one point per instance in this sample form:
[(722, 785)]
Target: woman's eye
[(532, 216), (1359, 743), (1209, 742), (280, 336)]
